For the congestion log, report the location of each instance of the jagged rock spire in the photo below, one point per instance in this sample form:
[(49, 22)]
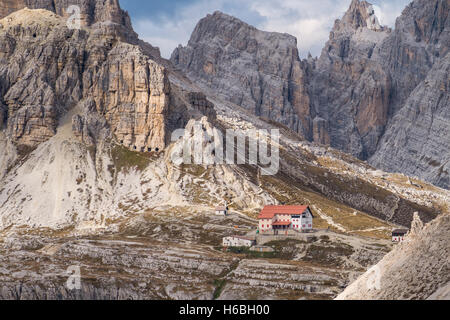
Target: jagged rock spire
[(360, 14), (416, 225)]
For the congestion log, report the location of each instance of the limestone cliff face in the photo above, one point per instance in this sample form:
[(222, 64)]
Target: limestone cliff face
[(257, 70), (92, 11), (113, 88), (347, 88), (105, 17), (417, 141), (417, 138), (420, 39), (416, 269), (41, 63), (132, 92), (262, 72), (382, 92), (358, 96)]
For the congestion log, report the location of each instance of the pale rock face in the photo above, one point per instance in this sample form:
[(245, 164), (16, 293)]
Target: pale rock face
[(385, 94), (347, 88), (417, 141), (32, 125), (132, 92), (114, 86), (416, 269), (105, 17), (352, 97), (417, 138), (38, 84), (360, 15), (257, 70), (92, 11), (372, 21)]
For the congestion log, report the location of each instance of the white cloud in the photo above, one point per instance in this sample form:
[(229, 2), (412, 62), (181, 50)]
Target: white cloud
[(388, 11), (309, 21), (168, 32)]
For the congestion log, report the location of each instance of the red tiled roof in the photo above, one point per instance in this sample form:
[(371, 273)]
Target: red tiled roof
[(270, 211)]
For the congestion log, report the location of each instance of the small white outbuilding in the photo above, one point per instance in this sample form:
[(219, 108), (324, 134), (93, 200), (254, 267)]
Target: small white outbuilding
[(221, 211), (238, 241)]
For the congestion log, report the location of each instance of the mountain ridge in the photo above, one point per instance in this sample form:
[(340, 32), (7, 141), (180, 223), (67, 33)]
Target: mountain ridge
[(88, 175), (346, 98)]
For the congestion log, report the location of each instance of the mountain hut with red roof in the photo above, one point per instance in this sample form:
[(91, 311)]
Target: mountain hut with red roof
[(281, 219)]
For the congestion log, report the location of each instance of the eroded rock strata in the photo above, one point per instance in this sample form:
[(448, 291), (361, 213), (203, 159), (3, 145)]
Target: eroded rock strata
[(47, 69), (352, 96)]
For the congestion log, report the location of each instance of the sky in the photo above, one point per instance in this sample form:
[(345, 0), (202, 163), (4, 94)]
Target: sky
[(166, 24)]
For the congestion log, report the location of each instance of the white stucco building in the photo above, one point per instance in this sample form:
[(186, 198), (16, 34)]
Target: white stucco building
[(279, 219), (238, 241)]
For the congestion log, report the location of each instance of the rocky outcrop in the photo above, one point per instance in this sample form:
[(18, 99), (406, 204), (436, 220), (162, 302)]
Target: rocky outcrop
[(421, 37), (417, 138), (91, 11), (105, 17), (47, 69), (260, 71), (366, 73), (31, 125), (352, 96), (132, 92), (360, 14), (417, 141), (385, 94), (370, 84), (89, 126), (416, 269), (347, 88), (41, 63)]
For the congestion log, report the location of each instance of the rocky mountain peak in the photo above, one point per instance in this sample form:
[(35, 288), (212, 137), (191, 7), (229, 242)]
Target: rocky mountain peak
[(92, 11), (257, 70), (113, 87), (426, 21), (360, 14), (106, 17), (224, 28)]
